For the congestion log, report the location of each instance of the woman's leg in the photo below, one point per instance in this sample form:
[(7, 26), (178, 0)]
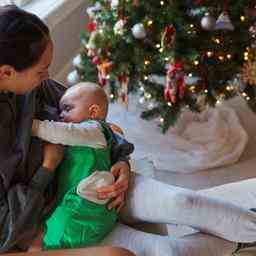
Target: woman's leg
[(153, 201), (146, 244)]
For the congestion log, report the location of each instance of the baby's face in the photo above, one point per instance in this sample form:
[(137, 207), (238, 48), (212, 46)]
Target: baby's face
[(73, 109)]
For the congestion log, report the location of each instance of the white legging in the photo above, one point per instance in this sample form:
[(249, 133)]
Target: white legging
[(152, 201)]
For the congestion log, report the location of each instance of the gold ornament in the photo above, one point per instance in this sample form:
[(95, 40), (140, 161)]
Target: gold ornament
[(249, 73)]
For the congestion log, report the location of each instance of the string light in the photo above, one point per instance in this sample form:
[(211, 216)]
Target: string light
[(161, 120), (192, 89), (169, 104), (191, 25), (162, 2), (206, 91), (166, 59), (246, 56), (150, 22), (244, 94), (242, 18), (248, 98), (108, 76), (146, 62), (158, 46), (217, 40), (142, 89), (209, 54), (196, 62), (190, 74), (229, 56), (221, 58), (145, 77), (161, 50), (218, 102), (111, 96)]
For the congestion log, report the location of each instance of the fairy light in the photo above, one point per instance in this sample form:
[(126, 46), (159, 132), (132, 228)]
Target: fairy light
[(158, 46), (196, 62), (248, 98), (209, 54), (169, 104), (161, 120), (161, 50), (246, 56), (191, 25), (206, 91), (145, 77), (229, 56), (217, 40), (162, 2), (108, 76), (190, 75), (218, 102), (192, 88), (111, 96), (150, 22), (221, 58), (142, 89), (166, 59), (146, 62), (228, 88), (244, 94), (242, 18)]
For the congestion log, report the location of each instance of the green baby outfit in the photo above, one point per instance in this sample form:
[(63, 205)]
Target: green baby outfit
[(77, 222)]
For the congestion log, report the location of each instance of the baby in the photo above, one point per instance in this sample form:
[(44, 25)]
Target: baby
[(80, 218)]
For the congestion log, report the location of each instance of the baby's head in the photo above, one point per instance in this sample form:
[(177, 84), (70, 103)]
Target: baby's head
[(84, 101)]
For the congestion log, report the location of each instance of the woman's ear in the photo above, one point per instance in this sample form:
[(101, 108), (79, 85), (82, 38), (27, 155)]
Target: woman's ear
[(6, 72), (94, 111)]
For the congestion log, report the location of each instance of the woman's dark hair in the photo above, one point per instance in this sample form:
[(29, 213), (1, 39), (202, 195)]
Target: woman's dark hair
[(23, 38)]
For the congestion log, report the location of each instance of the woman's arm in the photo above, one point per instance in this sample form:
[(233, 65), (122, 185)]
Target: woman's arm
[(87, 133), (21, 204)]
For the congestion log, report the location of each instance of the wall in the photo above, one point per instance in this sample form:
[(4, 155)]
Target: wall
[(66, 37)]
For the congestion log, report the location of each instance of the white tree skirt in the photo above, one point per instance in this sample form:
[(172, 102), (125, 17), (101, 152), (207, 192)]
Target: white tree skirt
[(197, 142)]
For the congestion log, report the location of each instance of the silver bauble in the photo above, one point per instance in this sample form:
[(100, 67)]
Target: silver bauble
[(208, 22), (139, 31)]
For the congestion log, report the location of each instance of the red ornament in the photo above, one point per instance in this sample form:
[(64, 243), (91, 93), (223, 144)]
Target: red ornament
[(91, 26), (168, 36), (175, 85), (96, 60)]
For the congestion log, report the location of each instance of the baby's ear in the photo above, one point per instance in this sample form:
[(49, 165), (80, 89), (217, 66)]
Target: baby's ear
[(94, 111)]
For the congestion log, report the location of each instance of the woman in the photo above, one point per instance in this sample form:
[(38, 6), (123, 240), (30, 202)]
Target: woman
[(27, 165)]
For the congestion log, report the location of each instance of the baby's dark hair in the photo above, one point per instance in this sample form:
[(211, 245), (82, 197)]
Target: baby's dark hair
[(23, 38)]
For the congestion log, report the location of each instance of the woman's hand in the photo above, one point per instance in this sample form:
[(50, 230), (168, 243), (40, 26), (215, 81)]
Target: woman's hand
[(53, 155), (120, 170)]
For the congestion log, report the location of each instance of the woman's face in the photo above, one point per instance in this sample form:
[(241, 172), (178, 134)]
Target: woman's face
[(26, 80)]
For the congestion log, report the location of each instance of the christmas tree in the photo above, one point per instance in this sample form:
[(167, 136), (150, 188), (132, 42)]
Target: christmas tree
[(205, 50)]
